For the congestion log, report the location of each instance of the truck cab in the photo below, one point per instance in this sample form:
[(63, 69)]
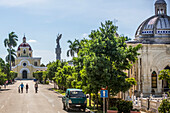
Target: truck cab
[(74, 98)]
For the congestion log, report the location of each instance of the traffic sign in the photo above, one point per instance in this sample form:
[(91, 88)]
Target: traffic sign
[(104, 93)]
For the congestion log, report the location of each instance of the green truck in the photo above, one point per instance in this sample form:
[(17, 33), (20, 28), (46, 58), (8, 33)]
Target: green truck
[(74, 99)]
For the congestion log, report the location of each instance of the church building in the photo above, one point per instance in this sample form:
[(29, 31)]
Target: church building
[(25, 63), (154, 35)]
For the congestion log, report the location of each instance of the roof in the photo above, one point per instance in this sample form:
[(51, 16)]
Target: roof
[(160, 2), (155, 29), (24, 44), (72, 89)]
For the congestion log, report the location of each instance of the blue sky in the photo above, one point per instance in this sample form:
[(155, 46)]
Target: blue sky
[(42, 20)]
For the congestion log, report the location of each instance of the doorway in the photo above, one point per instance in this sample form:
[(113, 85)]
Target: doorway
[(24, 74)]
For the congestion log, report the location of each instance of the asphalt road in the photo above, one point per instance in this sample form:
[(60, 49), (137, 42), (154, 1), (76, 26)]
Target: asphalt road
[(45, 101)]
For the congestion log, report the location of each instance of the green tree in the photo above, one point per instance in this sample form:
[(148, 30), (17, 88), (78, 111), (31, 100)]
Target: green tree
[(165, 75), (5, 68), (2, 64), (105, 57), (13, 55), (63, 76), (38, 75), (52, 68), (4, 71), (165, 104), (13, 75), (3, 77), (11, 42)]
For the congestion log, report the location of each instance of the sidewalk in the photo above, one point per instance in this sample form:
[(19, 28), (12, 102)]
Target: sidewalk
[(142, 112)]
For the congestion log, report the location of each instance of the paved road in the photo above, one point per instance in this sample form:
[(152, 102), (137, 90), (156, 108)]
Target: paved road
[(45, 101)]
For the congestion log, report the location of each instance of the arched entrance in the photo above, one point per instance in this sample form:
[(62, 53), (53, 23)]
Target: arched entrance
[(24, 74)]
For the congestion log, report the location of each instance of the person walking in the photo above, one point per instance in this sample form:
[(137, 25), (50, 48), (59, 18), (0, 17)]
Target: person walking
[(22, 86), (27, 88), (18, 89), (36, 87)]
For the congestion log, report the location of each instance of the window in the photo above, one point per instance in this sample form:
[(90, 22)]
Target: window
[(154, 80), (35, 63), (24, 51), (24, 64)]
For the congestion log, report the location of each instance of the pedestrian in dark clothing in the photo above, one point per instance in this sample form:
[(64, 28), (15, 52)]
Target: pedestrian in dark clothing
[(27, 88), (22, 86), (36, 87), (18, 89)]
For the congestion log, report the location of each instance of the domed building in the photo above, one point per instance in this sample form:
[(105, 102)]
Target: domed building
[(25, 64), (154, 35)]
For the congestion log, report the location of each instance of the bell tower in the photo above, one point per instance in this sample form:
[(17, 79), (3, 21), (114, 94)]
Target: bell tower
[(160, 7)]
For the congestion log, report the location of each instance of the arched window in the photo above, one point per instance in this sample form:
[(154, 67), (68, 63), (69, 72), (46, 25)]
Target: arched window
[(24, 51), (154, 80), (35, 63)]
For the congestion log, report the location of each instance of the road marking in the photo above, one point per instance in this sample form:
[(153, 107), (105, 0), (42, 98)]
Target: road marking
[(2, 107), (53, 105)]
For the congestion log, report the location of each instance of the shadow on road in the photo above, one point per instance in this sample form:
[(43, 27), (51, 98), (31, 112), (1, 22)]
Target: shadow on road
[(50, 89), (4, 90)]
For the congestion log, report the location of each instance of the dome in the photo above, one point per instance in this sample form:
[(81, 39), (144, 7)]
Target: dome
[(160, 2), (24, 44), (155, 29)]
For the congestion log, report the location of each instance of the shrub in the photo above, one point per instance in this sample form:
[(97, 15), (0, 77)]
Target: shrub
[(165, 106), (124, 106), (113, 101), (113, 108), (47, 82), (135, 110)]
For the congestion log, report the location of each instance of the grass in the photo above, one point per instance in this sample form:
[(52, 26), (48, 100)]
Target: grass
[(59, 91)]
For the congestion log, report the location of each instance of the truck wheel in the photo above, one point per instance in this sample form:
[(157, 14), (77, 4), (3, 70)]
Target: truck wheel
[(68, 109), (64, 107), (84, 109)]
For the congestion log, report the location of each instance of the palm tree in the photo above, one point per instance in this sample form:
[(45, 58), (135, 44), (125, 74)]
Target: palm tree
[(71, 51), (10, 42), (12, 56), (74, 47)]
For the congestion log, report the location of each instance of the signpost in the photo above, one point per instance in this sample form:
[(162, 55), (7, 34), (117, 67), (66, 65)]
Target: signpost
[(104, 94)]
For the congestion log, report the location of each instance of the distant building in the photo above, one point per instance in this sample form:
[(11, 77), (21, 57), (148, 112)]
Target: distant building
[(25, 63), (154, 35)]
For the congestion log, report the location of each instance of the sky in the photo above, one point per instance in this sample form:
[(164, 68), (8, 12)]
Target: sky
[(42, 20)]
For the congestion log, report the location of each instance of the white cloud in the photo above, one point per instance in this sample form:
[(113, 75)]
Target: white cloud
[(85, 35), (32, 41)]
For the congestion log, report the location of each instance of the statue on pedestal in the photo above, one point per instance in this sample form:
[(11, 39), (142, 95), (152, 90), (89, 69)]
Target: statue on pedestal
[(58, 39), (58, 49)]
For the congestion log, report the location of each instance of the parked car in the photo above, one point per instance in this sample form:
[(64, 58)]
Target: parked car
[(74, 98)]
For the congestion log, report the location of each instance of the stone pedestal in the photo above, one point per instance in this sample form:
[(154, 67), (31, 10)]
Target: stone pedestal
[(58, 53)]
